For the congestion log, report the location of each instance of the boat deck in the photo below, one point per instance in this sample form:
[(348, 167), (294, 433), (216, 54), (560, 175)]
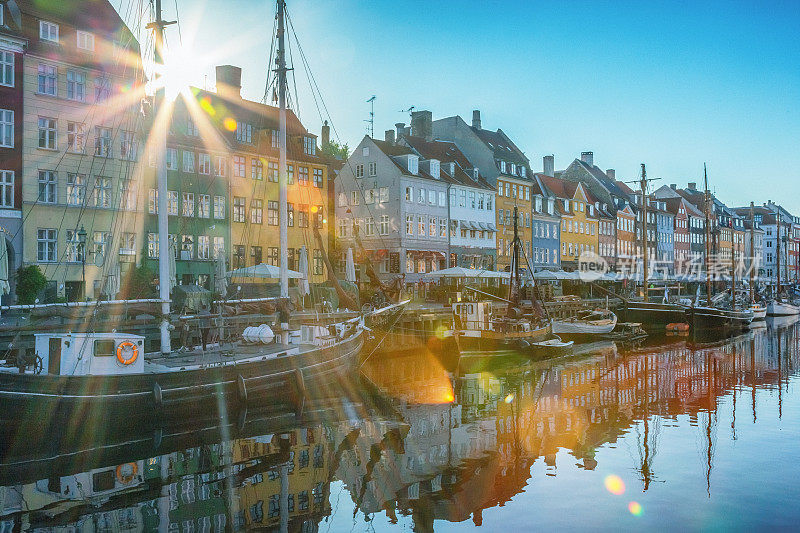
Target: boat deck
[(226, 354)]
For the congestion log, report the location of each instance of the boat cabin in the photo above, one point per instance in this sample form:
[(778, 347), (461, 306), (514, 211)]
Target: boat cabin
[(473, 315), (90, 354)]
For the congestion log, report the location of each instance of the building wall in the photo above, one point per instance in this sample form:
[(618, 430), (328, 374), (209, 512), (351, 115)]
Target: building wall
[(469, 247), (516, 193), (424, 244), (578, 230), (606, 240), (457, 131), (546, 233)]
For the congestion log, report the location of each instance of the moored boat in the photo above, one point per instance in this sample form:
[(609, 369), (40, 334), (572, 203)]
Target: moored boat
[(759, 311), (587, 325), (779, 308), (705, 318)]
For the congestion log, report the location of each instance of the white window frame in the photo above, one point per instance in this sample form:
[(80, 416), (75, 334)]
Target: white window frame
[(103, 141), (51, 28), (50, 129), (76, 189), (47, 80), (76, 137), (6, 64), (75, 80), (48, 179), (47, 236), (6, 128), (85, 40), (7, 188)]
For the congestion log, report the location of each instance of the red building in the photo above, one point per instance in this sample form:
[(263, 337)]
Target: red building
[(679, 208), (12, 45)]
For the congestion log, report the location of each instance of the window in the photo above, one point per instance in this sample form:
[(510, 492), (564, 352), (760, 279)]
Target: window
[(48, 31), (342, 227), (76, 189), (46, 245), (318, 267), (128, 146), (47, 79), (188, 161), (302, 216), (409, 224), (303, 178), (127, 245), (102, 192), (204, 206), (290, 215), (47, 186), (256, 211), (76, 85), (218, 246), (203, 247), (369, 226), (432, 197), (244, 132), (85, 40), (318, 178), (219, 207), (187, 247), (257, 254), (273, 256), (47, 133), (442, 199), (432, 226), (462, 198), (384, 228), (256, 169), (359, 171), (172, 203), (127, 195), (272, 213), (238, 209), (6, 128), (220, 163), (272, 171), (6, 188), (188, 204), (238, 256), (204, 164), (101, 241), (421, 226), (421, 196), (342, 200), (239, 166), (384, 195), (369, 196), (409, 194), (310, 145), (373, 169), (172, 159), (102, 141), (153, 201), (102, 89), (76, 137), (191, 128), (6, 66)]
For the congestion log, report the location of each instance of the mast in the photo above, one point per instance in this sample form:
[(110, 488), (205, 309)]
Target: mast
[(778, 255), (161, 179), (643, 185), (752, 251), (513, 286), (283, 216), (734, 245), (708, 234)]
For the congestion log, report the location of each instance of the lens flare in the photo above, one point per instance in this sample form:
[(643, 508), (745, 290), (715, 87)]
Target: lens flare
[(509, 398), (205, 105), (635, 508), (614, 485), (229, 123)]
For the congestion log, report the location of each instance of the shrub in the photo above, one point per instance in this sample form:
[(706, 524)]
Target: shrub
[(30, 282)]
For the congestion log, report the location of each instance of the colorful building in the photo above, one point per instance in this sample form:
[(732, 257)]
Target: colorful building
[(579, 219)]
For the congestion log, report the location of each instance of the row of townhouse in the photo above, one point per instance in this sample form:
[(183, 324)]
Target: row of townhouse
[(77, 182)]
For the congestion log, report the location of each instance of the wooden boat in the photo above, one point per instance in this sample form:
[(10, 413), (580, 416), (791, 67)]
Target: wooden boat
[(653, 316), (726, 321), (626, 332), (105, 375), (759, 311), (779, 308), (476, 327), (587, 325), (552, 348)]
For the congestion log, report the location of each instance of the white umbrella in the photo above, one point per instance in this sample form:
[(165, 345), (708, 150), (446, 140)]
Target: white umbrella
[(112, 281), (220, 271), (544, 274), (303, 283), (350, 267), (173, 270), (262, 270)]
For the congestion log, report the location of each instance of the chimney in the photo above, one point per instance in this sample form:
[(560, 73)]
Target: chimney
[(673, 186), (588, 158), (229, 81), (326, 134), (401, 128), (422, 124), (476, 119), (611, 173), (692, 186), (388, 136), (549, 165)]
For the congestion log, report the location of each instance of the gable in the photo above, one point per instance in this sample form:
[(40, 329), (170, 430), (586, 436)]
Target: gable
[(580, 194)]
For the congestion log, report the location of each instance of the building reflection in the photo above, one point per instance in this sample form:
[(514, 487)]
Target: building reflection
[(455, 441)]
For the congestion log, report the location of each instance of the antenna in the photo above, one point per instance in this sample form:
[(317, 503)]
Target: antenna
[(409, 110), (371, 120)]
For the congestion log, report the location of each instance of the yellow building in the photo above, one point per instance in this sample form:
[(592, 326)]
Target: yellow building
[(578, 220), (513, 191)]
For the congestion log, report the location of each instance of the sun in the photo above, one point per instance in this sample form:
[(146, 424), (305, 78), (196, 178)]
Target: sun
[(182, 68)]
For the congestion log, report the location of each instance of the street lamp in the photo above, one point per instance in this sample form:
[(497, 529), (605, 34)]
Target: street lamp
[(82, 248)]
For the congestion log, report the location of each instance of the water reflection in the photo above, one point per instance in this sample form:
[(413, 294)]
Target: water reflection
[(419, 441)]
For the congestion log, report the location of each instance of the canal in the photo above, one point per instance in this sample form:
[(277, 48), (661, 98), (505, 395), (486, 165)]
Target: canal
[(666, 435)]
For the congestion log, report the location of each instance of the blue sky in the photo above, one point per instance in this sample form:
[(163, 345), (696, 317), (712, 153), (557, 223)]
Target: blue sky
[(670, 84)]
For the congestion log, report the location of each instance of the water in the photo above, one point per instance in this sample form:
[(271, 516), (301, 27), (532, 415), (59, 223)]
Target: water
[(666, 436)]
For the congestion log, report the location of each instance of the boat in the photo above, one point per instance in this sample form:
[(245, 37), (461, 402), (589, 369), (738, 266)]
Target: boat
[(779, 308), (586, 325), (551, 348), (477, 327), (626, 332), (104, 375), (759, 311)]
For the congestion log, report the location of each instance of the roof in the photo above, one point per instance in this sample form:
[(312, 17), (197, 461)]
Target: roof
[(624, 187), (447, 152), (502, 147), (560, 188)]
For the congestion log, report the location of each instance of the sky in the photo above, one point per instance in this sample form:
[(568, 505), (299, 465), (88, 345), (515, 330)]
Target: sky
[(669, 84)]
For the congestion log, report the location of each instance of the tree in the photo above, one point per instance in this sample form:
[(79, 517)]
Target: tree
[(140, 283), (30, 282), (334, 149)]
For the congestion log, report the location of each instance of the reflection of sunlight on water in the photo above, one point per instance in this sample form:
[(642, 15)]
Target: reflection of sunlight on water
[(614, 485), (418, 378), (635, 508)]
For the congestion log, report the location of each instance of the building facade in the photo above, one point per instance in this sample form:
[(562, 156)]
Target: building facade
[(546, 221), (578, 220), (81, 134)]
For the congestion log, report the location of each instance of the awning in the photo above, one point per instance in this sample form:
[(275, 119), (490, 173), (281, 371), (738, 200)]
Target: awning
[(482, 226), (492, 227), (464, 224), (474, 225)]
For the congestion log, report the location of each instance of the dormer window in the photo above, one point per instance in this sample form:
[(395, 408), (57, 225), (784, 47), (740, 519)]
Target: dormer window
[(413, 164), (523, 171), (503, 167), (513, 168), (310, 145), (48, 31), (435, 169), (86, 41), (244, 132)]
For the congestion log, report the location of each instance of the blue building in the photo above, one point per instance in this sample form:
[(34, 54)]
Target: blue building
[(545, 227)]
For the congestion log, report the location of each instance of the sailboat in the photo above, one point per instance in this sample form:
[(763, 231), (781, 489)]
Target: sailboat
[(478, 328), (759, 310), (710, 318), (105, 373)]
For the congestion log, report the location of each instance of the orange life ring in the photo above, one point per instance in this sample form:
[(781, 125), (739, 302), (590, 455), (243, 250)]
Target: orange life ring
[(127, 477), (134, 352)]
